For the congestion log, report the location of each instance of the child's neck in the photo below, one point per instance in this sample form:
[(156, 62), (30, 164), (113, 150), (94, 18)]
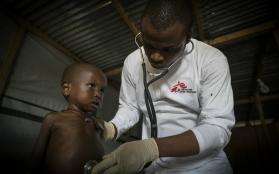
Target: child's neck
[(83, 115)]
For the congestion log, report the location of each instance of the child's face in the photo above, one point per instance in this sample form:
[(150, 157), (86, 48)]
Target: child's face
[(87, 92)]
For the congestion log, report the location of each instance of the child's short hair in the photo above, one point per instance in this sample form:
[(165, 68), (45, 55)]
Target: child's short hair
[(73, 71)]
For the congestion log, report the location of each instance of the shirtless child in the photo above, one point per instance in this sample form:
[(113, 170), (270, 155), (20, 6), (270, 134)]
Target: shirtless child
[(68, 139)]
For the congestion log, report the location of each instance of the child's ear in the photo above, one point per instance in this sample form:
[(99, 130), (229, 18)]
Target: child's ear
[(66, 89)]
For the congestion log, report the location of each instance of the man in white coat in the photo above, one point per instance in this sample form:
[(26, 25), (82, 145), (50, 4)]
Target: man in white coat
[(193, 101)]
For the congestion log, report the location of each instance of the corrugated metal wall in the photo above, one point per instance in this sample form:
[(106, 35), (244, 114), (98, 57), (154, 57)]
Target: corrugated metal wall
[(93, 30), (222, 16)]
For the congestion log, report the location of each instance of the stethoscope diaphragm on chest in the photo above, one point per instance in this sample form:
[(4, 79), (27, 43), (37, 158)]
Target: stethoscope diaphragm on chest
[(88, 166)]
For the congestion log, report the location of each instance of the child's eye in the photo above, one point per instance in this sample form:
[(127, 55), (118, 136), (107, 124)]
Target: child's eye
[(92, 85)]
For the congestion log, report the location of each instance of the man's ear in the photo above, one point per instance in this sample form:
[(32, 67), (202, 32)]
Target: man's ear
[(66, 89)]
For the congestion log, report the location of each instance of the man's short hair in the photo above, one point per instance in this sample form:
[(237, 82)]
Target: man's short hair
[(164, 13)]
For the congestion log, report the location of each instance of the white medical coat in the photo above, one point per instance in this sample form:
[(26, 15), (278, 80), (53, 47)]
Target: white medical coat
[(195, 95)]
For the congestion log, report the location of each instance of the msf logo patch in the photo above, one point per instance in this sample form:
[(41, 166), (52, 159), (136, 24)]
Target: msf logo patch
[(181, 87)]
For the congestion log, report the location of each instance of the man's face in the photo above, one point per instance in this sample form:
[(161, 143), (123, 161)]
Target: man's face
[(161, 47), (87, 91)]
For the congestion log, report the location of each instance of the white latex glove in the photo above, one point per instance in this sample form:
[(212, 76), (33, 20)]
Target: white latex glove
[(128, 158), (107, 129)]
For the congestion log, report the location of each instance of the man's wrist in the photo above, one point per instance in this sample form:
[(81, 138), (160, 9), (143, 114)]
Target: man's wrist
[(153, 148)]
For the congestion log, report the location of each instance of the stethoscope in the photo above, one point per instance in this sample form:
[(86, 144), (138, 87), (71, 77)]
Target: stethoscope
[(147, 97)]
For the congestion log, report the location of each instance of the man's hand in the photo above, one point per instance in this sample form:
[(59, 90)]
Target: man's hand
[(128, 158)]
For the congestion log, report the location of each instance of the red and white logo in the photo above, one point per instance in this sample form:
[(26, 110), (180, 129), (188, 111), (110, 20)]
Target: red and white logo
[(179, 87)]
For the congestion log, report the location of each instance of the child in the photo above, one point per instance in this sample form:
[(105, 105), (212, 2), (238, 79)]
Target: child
[(68, 139)]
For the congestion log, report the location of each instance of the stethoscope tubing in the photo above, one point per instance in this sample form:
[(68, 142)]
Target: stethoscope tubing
[(147, 96)]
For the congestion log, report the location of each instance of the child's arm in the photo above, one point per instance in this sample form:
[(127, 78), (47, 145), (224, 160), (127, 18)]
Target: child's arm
[(39, 149)]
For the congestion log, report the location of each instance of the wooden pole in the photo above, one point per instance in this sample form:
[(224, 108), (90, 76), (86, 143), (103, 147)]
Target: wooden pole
[(252, 99), (257, 100), (10, 57), (198, 17), (259, 106), (125, 17), (242, 34)]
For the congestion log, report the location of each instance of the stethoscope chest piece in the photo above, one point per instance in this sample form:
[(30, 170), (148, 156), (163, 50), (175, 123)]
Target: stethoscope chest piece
[(87, 168)]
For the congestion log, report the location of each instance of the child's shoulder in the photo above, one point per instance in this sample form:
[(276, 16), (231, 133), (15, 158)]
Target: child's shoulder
[(52, 116), (55, 116)]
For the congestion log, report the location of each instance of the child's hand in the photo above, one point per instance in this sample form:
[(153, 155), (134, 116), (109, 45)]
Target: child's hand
[(107, 129), (99, 123)]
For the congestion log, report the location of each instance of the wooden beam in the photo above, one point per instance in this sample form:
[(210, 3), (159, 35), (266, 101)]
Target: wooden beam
[(10, 57), (198, 17), (19, 114), (252, 99), (119, 8), (242, 34), (253, 122), (125, 17), (37, 32)]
